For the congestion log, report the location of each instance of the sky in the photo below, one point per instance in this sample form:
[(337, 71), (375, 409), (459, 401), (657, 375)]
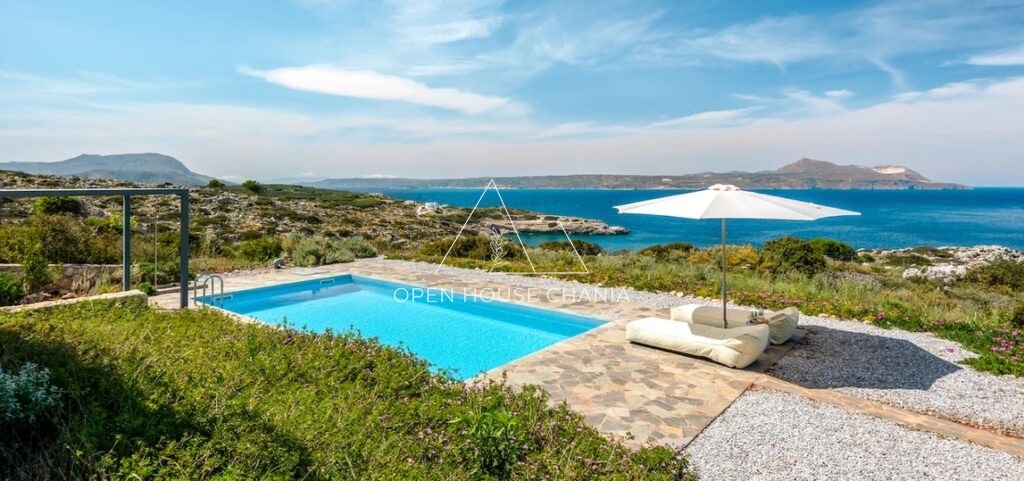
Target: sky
[(430, 88)]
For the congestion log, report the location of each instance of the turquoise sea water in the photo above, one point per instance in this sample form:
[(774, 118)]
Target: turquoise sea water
[(464, 335), (889, 219)]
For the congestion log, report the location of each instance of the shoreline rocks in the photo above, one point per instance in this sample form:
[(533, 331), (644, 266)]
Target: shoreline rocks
[(945, 263)]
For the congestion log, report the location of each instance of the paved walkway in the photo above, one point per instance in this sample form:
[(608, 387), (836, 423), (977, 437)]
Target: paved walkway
[(637, 393)]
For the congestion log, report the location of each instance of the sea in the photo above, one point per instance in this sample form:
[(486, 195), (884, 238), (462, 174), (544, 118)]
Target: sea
[(889, 218)]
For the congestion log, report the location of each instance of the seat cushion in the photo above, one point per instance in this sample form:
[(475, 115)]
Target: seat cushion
[(782, 324), (710, 315), (736, 347)]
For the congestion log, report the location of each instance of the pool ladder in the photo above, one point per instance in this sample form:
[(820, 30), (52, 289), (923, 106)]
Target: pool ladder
[(211, 282)]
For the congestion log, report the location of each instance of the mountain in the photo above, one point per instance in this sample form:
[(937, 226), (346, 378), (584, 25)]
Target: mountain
[(802, 174), (146, 168)]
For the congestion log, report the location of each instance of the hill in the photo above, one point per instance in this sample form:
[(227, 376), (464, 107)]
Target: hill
[(149, 168), (802, 174)]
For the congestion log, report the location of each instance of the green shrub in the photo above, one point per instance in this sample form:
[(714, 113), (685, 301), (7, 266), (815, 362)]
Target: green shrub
[(253, 186), (259, 250), (57, 205), (147, 288), (215, 184), (1002, 274), (26, 396), (866, 258), (360, 247), (667, 251), (908, 260), (834, 249), (583, 247), (792, 254), (1016, 317), (59, 239), (335, 253), (307, 252), (10, 289), (35, 271)]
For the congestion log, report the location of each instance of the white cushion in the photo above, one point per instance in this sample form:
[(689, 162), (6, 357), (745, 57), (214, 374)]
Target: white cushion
[(710, 315), (736, 347), (782, 324)]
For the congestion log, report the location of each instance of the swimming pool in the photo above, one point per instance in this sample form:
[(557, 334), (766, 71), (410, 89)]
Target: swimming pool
[(464, 335)]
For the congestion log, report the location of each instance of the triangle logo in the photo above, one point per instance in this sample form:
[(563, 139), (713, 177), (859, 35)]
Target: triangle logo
[(498, 245)]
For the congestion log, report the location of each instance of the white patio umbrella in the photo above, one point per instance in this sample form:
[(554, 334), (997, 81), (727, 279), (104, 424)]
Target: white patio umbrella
[(722, 201)]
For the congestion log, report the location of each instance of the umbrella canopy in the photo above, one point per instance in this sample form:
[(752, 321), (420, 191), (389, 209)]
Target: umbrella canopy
[(722, 201), (730, 202)]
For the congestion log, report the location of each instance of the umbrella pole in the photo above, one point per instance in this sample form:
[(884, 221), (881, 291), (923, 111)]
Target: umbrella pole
[(725, 288)]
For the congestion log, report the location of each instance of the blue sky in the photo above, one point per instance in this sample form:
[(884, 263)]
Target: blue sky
[(325, 88)]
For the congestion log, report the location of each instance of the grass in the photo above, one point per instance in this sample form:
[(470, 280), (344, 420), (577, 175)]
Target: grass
[(148, 394)]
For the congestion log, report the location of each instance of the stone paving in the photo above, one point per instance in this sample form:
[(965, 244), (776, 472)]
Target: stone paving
[(636, 393)]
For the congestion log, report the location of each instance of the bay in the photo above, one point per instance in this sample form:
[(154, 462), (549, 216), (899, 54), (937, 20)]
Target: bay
[(890, 218)]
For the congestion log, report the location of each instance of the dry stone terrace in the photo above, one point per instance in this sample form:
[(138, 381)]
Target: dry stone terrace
[(640, 394)]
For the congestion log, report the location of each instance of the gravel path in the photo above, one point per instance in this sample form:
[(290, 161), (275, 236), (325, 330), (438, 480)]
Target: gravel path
[(768, 435), (914, 371)]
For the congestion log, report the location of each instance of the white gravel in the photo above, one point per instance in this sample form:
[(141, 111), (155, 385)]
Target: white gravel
[(769, 435), (914, 371)]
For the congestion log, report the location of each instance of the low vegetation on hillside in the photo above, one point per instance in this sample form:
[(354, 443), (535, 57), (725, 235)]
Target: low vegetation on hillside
[(108, 390)]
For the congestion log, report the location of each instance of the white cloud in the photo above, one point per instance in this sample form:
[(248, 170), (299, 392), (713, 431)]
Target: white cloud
[(331, 80), (1002, 58), (772, 40), (839, 94), (710, 118)]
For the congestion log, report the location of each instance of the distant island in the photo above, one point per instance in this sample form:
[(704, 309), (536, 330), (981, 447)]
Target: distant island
[(802, 174), (156, 168), (147, 168)]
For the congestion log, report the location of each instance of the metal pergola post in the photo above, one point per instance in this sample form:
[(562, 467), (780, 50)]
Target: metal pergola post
[(126, 242), (126, 226)]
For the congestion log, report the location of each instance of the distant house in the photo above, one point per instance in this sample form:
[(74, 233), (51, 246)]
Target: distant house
[(430, 208)]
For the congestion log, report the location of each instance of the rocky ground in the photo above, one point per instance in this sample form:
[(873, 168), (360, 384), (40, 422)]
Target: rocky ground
[(945, 263)]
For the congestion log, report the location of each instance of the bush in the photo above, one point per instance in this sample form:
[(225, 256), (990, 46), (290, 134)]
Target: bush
[(59, 239), (26, 396), (866, 258), (215, 184), (744, 256), (1016, 317), (583, 247), (259, 250), (335, 253), (667, 251), (146, 287), (57, 205), (792, 254), (10, 289), (834, 249), (36, 272), (253, 186), (1001, 274), (360, 247), (307, 253)]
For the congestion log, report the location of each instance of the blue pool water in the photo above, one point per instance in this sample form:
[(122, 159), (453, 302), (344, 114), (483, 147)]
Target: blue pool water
[(463, 335), (890, 218)]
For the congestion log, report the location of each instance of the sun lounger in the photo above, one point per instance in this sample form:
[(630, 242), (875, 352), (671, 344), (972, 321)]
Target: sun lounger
[(782, 324), (735, 347)]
